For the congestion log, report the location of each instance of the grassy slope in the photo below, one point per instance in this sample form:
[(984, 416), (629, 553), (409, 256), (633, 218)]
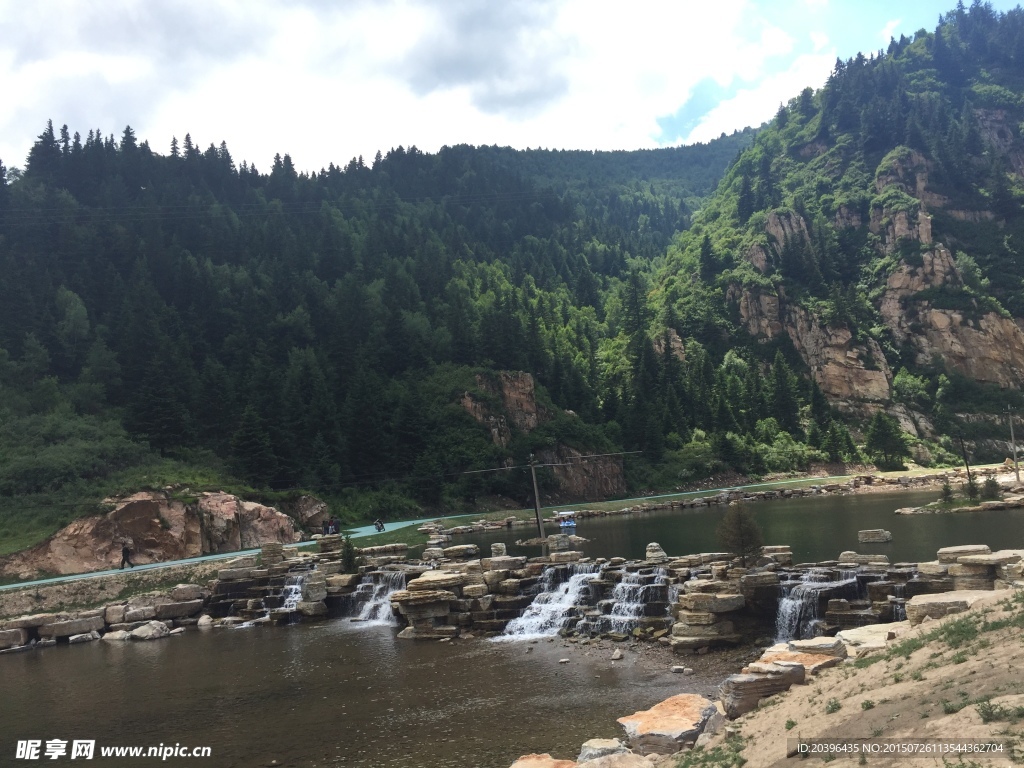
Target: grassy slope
[(959, 678)]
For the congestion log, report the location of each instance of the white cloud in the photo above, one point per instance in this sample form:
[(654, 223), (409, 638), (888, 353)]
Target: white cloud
[(328, 82), (755, 105), (890, 27)]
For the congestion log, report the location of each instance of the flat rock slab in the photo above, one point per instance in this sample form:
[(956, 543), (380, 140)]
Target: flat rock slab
[(178, 610), (705, 602), (666, 727), (871, 637), (825, 646), (812, 662), (1002, 557), (933, 568), (936, 606), (35, 620), (72, 627), (542, 761), (433, 580), (952, 554)]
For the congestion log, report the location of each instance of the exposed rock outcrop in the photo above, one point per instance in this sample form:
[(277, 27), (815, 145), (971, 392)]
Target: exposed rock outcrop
[(588, 479), (986, 347), (157, 527), (846, 369)]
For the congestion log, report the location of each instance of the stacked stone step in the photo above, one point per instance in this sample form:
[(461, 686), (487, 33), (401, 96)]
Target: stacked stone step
[(314, 593), (231, 589), (781, 554), (704, 619), (977, 570), (427, 603), (330, 543), (500, 598), (779, 667), (272, 553), (964, 573)]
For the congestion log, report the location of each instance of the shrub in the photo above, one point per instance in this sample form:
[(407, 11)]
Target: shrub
[(832, 706), (990, 489)]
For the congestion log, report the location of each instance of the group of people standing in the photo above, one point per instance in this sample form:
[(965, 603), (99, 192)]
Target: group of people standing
[(331, 526)]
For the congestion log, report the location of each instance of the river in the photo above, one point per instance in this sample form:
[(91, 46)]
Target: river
[(816, 527), (337, 693)]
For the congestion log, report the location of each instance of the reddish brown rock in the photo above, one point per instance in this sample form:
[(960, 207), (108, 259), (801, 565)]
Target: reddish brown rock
[(666, 727)]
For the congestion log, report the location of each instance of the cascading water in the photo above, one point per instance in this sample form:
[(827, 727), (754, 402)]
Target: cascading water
[(800, 606), (548, 612), (291, 593), (629, 604), (375, 593), (899, 604)]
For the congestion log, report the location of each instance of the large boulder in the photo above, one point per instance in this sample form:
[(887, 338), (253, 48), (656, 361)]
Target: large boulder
[(669, 725), (151, 630)]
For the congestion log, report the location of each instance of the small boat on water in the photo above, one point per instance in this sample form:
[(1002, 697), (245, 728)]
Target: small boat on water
[(566, 519)]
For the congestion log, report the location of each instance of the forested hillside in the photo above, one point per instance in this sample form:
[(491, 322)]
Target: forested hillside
[(850, 291), (178, 318), (875, 229)]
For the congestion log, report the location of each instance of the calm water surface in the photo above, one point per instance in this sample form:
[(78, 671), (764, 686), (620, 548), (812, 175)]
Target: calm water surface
[(816, 527), (329, 694)]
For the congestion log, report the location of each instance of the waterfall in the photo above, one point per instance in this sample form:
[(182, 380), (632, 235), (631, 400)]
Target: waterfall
[(899, 604), (548, 612), (800, 606), (375, 590), (629, 602), (291, 593)]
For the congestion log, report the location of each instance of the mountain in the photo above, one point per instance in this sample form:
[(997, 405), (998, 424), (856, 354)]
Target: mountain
[(875, 230), (400, 335), (178, 319)]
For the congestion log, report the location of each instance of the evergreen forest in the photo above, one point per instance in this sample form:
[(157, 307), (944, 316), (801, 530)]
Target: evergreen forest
[(174, 317)]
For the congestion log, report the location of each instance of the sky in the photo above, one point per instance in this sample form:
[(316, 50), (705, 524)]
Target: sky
[(328, 80)]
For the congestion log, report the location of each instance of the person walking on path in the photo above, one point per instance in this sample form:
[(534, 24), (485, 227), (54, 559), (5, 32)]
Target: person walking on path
[(126, 556)]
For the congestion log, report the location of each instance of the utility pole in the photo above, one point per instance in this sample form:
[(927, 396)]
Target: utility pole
[(1013, 441), (536, 496), (963, 450)]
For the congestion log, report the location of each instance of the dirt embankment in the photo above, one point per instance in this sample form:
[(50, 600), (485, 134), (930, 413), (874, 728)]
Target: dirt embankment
[(959, 678)]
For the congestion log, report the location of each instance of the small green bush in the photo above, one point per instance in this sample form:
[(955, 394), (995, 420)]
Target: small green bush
[(832, 706)]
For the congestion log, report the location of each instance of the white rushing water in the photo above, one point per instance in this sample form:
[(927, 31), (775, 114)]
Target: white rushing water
[(629, 602), (799, 607), (547, 614), (377, 608), (292, 591)]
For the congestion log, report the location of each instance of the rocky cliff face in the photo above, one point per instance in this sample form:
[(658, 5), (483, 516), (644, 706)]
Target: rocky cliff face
[(514, 393), (845, 369), (986, 347), (591, 479), (158, 528), (981, 345)]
